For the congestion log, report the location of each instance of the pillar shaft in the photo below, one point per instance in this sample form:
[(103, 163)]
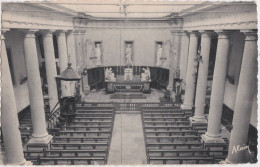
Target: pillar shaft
[(202, 78), (244, 98), (63, 58), (34, 86), (184, 55), (190, 78), (9, 119), (50, 68), (218, 89)]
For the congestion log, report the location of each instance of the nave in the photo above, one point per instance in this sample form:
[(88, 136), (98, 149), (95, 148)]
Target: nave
[(169, 137)]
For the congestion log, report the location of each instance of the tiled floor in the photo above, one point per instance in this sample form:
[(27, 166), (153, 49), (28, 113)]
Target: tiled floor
[(127, 145)]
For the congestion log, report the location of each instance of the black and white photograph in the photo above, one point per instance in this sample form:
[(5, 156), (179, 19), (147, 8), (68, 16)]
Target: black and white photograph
[(129, 82)]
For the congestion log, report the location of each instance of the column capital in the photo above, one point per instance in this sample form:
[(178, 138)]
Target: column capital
[(60, 32), (184, 33), (251, 35), (224, 34), (47, 33), (206, 33), (194, 33), (29, 33), (175, 31)]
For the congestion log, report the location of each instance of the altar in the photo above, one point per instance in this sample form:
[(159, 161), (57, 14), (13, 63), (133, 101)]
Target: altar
[(128, 82)]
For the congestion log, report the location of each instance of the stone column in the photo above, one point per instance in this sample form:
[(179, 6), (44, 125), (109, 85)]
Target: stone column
[(202, 79), (63, 58), (185, 40), (244, 98), (50, 67), (218, 89), (82, 39), (71, 49), (39, 134), (72, 57), (190, 78), (9, 119), (171, 61)]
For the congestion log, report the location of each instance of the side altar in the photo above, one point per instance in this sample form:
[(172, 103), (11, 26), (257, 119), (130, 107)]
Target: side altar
[(128, 82)]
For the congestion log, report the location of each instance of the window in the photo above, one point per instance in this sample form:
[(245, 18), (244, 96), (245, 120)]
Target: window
[(10, 61)]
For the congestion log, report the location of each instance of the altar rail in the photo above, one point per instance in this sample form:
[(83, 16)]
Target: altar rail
[(127, 106)]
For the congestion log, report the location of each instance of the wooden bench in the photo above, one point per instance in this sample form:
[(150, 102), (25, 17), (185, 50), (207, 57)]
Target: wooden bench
[(154, 123), (152, 115), (75, 153), (159, 145), (168, 127), (93, 118), (97, 122), (41, 146), (73, 133), (100, 127), (193, 151), (165, 119), (33, 153), (79, 145), (182, 159), (81, 139), (71, 159), (94, 114), (185, 138)]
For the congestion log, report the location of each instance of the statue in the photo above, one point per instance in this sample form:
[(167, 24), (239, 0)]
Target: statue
[(110, 76), (86, 87), (145, 76), (98, 55), (128, 53), (159, 55)]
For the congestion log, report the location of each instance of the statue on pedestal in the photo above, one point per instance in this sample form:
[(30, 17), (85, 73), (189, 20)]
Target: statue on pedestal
[(98, 55), (109, 74), (128, 55), (145, 76), (159, 55)]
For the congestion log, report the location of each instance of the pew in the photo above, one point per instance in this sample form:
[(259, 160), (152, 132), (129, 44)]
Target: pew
[(173, 145), (74, 133), (72, 160), (81, 139), (186, 138), (78, 145), (75, 153), (177, 152), (181, 160)]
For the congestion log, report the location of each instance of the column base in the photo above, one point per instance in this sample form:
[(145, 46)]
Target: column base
[(212, 139), (224, 162), (198, 120), (41, 140), (186, 107)]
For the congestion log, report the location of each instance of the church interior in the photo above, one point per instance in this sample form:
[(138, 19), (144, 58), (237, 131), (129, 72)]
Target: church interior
[(128, 82)]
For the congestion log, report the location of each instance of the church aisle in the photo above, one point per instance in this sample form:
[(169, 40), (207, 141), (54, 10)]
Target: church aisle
[(127, 145)]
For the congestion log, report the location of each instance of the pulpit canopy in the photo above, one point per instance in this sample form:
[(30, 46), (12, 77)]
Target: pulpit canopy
[(69, 74)]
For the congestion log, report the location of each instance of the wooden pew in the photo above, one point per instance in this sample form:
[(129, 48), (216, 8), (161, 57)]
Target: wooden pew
[(165, 119), (95, 114), (90, 127), (185, 138), (75, 153), (78, 145), (72, 160), (92, 118), (177, 152), (174, 145), (154, 123), (75, 133), (152, 115), (81, 139), (181, 160)]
